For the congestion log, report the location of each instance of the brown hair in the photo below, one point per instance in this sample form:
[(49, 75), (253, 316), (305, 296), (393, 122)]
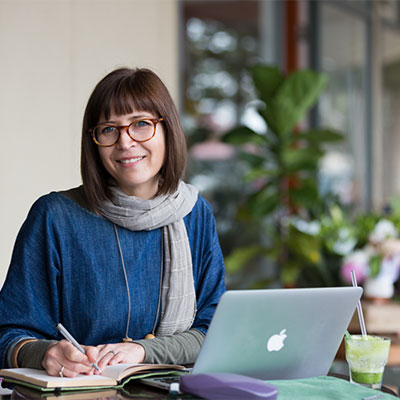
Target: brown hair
[(119, 92)]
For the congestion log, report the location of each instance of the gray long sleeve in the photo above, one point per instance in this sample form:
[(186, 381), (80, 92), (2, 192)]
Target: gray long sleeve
[(32, 353), (181, 348)]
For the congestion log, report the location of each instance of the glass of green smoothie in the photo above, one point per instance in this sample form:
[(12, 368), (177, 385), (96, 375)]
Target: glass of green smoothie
[(367, 357)]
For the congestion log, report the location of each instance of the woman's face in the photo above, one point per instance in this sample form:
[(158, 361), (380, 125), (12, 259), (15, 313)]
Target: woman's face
[(134, 165)]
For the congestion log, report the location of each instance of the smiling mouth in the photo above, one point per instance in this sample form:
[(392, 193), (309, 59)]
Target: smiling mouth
[(130, 160)]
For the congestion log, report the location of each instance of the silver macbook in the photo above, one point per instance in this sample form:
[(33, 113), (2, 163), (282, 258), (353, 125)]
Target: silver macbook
[(277, 333)]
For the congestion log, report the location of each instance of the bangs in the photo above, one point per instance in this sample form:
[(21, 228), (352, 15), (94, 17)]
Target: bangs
[(127, 96)]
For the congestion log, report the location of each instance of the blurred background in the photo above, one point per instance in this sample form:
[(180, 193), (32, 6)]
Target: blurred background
[(291, 110), (338, 192)]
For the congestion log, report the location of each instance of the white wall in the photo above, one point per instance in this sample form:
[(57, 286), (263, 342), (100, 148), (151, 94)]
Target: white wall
[(52, 53)]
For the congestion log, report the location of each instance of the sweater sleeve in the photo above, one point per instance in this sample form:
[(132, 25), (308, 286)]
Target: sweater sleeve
[(181, 348), (29, 297), (31, 354)]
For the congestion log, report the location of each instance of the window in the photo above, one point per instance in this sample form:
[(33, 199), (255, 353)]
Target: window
[(221, 40), (342, 55)]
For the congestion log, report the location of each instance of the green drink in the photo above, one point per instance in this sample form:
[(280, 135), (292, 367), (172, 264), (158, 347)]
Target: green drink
[(367, 357)]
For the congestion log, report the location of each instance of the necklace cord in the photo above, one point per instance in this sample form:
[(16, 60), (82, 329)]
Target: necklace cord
[(126, 282), (161, 283)]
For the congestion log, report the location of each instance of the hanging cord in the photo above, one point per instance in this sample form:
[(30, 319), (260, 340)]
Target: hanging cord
[(160, 286), (126, 338)]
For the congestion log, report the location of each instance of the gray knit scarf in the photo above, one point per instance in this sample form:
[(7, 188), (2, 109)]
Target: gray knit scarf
[(178, 297)]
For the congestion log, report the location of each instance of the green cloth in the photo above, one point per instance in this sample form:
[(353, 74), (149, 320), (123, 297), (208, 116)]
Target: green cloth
[(324, 387)]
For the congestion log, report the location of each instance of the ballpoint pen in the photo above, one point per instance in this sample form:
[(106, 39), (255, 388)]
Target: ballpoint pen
[(72, 340)]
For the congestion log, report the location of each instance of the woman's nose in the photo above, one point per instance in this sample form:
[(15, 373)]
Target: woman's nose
[(125, 141)]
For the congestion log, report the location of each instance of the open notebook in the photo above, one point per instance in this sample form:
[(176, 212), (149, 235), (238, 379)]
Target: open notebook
[(114, 376)]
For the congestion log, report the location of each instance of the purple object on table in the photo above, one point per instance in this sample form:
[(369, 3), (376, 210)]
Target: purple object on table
[(221, 386)]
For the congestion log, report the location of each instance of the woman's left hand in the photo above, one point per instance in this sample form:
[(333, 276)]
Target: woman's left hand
[(116, 353)]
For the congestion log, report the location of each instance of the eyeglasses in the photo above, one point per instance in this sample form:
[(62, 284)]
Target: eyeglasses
[(139, 130)]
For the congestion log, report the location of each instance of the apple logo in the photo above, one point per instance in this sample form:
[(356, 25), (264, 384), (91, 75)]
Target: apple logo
[(275, 342)]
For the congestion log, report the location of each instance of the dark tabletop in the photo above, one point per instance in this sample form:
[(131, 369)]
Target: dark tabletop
[(133, 390)]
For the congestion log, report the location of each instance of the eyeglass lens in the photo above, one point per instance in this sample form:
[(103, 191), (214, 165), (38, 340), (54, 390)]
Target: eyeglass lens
[(139, 130)]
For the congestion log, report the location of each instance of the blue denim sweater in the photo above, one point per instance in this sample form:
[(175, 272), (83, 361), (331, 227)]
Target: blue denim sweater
[(66, 268)]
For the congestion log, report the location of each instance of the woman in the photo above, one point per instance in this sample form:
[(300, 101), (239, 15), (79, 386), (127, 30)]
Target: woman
[(129, 262)]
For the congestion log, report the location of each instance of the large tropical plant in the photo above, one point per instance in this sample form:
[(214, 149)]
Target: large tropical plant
[(283, 174)]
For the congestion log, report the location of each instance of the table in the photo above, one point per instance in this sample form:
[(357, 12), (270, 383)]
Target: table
[(132, 390)]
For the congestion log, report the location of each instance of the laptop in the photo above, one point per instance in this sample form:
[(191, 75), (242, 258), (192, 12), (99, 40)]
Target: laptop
[(276, 333)]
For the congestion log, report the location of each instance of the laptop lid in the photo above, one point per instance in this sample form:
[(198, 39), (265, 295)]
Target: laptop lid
[(278, 333)]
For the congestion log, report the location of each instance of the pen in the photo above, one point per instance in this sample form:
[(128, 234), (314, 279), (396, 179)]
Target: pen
[(72, 340)]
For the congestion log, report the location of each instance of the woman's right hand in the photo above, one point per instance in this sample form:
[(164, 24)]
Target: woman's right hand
[(64, 359)]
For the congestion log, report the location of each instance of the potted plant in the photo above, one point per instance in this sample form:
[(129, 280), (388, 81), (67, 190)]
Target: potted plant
[(375, 258), (282, 179)]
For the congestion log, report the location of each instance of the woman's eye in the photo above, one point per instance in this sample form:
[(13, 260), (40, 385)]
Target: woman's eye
[(144, 123), (107, 130)]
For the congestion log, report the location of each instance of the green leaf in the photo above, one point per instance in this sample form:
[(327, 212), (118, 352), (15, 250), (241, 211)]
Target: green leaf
[(257, 173), (290, 272), (375, 265), (238, 259), (395, 205), (337, 214), (263, 202), (273, 119), (243, 135), (294, 97), (266, 80), (306, 195), (318, 136), (305, 245), (253, 159), (301, 158), (364, 224)]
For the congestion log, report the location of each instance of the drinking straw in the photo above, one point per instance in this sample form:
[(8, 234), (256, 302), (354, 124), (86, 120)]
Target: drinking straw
[(359, 309)]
